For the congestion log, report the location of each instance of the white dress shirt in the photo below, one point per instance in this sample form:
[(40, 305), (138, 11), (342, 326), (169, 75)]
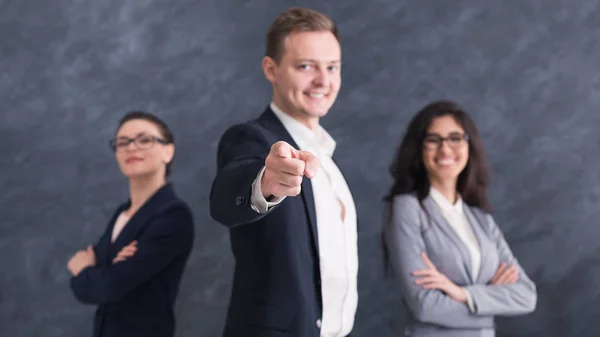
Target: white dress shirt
[(336, 225), (119, 225), (455, 215)]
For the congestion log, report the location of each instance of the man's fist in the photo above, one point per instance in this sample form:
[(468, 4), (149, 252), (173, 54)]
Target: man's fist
[(284, 168)]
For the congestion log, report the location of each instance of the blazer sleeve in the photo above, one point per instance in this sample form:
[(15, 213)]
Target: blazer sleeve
[(241, 155), (404, 243), (167, 237), (508, 300)]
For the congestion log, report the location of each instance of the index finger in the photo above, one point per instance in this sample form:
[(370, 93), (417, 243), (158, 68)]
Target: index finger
[(284, 150)]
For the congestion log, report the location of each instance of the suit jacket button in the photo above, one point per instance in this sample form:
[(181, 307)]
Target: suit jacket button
[(319, 324), (240, 201)]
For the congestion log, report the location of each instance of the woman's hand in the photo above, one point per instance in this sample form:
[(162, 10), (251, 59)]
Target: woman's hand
[(126, 252), (81, 260), (431, 278), (505, 274)]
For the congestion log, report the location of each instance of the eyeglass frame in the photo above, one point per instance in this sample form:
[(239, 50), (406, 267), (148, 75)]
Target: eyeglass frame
[(113, 142), (463, 136)]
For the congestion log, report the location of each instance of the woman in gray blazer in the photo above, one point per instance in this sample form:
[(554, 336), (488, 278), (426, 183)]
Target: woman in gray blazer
[(455, 268)]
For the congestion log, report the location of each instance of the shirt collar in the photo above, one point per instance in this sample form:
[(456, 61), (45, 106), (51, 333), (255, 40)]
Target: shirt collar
[(305, 138), (444, 203)]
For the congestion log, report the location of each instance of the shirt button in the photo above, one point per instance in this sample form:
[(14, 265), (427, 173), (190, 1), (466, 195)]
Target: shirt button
[(319, 323)]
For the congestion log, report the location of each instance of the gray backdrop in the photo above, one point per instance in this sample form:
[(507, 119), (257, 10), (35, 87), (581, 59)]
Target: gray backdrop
[(527, 71)]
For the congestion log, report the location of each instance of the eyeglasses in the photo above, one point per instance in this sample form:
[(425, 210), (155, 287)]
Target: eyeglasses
[(455, 140), (142, 142)]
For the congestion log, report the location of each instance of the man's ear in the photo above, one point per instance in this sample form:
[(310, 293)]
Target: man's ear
[(269, 67)]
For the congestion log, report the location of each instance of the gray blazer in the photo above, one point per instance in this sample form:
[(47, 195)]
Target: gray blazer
[(414, 229)]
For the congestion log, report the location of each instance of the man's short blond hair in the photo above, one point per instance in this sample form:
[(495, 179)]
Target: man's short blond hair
[(294, 20)]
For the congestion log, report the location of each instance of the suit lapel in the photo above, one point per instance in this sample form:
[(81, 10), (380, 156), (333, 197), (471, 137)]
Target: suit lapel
[(436, 214), (273, 124), (476, 221), (309, 206), (143, 215), (103, 248)]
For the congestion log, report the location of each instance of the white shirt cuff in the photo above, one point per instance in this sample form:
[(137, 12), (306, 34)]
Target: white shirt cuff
[(470, 302), (257, 202)]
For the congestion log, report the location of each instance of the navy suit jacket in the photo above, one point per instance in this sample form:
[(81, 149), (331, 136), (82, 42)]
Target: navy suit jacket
[(135, 297), (277, 283)]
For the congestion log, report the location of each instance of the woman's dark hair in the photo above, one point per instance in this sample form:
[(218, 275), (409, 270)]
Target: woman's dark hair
[(408, 169), (164, 130)]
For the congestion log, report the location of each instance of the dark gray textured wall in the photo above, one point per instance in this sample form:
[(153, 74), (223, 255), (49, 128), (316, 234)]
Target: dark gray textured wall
[(528, 72)]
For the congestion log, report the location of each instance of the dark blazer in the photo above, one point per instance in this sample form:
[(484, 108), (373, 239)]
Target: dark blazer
[(414, 229), (135, 297), (276, 286)]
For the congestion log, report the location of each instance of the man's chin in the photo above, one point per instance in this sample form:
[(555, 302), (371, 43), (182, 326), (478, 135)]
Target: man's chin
[(316, 112)]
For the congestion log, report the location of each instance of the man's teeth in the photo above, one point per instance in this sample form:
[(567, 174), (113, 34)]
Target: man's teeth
[(317, 95)]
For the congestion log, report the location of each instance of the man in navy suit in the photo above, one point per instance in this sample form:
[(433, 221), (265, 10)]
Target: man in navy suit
[(290, 213)]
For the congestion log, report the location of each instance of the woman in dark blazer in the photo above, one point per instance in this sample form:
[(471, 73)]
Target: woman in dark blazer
[(456, 270), (133, 272)]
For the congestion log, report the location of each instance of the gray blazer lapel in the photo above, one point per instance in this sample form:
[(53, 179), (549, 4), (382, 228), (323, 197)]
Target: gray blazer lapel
[(477, 221), (436, 215), (480, 235)]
